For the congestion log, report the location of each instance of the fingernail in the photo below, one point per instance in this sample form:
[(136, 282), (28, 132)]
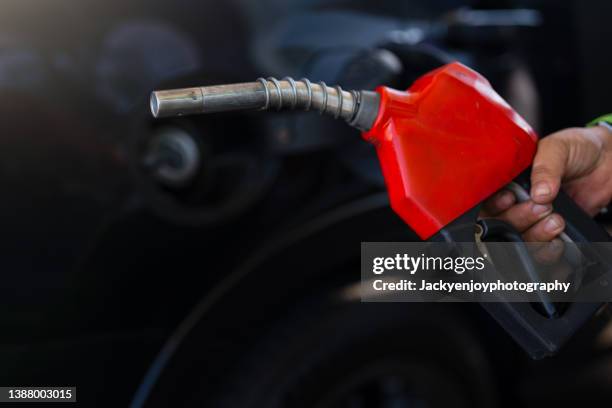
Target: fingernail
[(505, 200), (539, 209), (549, 252), (555, 244), (541, 190), (553, 224)]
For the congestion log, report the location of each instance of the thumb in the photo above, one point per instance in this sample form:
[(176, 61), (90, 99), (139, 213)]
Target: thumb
[(549, 165)]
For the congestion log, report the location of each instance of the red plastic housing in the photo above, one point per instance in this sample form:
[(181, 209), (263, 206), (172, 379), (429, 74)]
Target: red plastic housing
[(446, 144)]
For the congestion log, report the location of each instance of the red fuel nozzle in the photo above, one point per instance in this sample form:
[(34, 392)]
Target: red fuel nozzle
[(444, 145)]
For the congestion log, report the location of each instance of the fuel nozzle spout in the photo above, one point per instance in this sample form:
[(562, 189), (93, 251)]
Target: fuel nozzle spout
[(358, 108)]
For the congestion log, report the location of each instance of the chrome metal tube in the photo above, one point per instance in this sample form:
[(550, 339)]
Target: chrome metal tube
[(207, 99), (268, 94)]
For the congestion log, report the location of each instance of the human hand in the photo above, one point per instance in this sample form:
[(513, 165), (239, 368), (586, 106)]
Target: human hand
[(580, 159)]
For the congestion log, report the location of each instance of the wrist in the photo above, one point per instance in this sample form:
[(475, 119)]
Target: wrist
[(602, 127), (604, 166), (598, 160), (604, 135)]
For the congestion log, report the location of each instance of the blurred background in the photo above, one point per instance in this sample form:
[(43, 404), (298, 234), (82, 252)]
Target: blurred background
[(213, 261)]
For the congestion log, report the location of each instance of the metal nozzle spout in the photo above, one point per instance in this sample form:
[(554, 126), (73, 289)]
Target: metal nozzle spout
[(176, 102), (207, 99), (359, 108)]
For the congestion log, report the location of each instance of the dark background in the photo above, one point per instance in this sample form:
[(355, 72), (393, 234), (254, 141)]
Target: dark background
[(231, 285)]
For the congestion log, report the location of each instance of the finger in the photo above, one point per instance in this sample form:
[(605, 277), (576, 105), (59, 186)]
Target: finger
[(548, 167), (546, 229), (587, 196), (498, 203), (549, 252), (590, 203), (524, 215)]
